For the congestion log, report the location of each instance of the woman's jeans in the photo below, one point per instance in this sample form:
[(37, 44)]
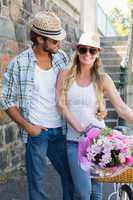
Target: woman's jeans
[(87, 188), (52, 143)]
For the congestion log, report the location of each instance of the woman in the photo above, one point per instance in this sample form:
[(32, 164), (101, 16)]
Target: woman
[(81, 90)]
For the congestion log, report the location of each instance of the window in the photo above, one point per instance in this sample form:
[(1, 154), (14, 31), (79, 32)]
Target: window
[(5, 2), (0, 6)]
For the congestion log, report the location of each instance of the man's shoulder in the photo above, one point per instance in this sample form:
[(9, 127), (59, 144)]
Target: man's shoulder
[(61, 56), (22, 59), (25, 54), (62, 53)]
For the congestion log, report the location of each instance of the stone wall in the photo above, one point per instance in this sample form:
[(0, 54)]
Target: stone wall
[(15, 17), (11, 148)]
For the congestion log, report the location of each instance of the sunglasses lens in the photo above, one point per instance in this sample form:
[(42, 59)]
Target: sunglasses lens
[(82, 50), (93, 51)]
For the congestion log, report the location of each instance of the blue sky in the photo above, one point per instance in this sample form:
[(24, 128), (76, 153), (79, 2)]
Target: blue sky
[(107, 5)]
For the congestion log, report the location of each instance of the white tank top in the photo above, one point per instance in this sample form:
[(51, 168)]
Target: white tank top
[(82, 102), (43, 108)]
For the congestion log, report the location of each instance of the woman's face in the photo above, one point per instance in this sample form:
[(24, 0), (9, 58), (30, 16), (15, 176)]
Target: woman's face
[(87, 55)]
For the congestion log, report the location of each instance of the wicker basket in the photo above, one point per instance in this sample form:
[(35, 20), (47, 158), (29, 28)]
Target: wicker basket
[(124, 177)]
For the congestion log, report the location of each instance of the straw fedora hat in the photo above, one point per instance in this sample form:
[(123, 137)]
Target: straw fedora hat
[(90, 39), (46, 23)]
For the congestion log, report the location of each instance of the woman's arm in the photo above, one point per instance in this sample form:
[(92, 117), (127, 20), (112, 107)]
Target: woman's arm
[(111, 92), (67, 115)]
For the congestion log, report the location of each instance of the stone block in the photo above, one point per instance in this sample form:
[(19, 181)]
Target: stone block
[(21, 31), (1, 137), (15, 11), (3, 160), (4, 118), (10, 133), (15, 161), (5, 11), (28, 5), (7, 28)]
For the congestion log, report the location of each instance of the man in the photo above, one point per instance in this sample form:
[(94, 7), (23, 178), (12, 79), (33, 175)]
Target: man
[(29, 97)]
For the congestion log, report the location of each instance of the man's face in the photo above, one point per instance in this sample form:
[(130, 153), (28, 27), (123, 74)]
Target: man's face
[(51, 45)]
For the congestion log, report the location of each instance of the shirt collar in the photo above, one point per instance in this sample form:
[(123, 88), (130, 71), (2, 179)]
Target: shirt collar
[(32, 55)]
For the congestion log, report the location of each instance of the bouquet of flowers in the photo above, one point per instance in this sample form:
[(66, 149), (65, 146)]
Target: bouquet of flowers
[(106, 151)]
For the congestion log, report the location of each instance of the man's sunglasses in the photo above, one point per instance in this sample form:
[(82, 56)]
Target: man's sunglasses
[(83, 50), (53, 41)]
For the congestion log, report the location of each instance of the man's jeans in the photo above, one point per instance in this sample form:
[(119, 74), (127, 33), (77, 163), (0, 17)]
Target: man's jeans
[(52, 143), (86, 188)]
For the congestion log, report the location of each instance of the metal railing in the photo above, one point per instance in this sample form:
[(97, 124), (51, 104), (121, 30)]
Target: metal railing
[(104, 24)]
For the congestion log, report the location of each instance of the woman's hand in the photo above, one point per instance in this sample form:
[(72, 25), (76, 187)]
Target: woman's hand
[(80, 129), (101, 115)]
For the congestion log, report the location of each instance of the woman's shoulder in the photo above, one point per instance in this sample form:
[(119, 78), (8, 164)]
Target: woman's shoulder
[(105, 77), (107, 82)]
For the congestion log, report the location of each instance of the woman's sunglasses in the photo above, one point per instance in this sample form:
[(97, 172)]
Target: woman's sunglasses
[(83, 50)]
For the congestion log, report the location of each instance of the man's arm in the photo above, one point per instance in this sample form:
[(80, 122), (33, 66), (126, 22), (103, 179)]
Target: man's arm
[(8, 99), (16, 116)]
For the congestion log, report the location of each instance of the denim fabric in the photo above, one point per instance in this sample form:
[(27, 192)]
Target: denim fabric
[(87, 188), (53, 144)]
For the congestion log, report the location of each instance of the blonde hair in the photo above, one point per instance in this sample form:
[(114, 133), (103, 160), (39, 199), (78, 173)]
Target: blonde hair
[(97, 76)]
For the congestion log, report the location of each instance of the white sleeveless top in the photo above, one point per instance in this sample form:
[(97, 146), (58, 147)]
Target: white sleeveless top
[(43, 108), (82, 102)]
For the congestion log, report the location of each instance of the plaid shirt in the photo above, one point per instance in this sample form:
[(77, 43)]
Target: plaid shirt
[(18, 81)]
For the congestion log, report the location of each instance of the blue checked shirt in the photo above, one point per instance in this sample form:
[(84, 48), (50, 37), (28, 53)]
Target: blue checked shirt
[(18, 81)]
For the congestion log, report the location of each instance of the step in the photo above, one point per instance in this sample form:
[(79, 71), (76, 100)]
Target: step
[(115, 46), (107, 54), (117, 58), (111, 123), (112, 114), (114, 38), (120, 51), (112, 61), (116, 43), (114, 76), (111, 68), (112, 57)]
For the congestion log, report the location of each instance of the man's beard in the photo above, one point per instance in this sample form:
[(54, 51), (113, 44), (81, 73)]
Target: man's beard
[(46, 49)]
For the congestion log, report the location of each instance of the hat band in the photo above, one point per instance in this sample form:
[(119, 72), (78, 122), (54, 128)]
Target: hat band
[(46, 32)]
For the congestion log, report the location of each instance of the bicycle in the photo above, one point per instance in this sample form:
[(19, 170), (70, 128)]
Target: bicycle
[(123, 182)]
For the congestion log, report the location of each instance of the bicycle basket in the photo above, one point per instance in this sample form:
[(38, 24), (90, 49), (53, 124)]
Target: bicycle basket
[(125, 176)]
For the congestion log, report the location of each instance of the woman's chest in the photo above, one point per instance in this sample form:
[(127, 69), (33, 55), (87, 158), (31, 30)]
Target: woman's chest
[(82, 96)]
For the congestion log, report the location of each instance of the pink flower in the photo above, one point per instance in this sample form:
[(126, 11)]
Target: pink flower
[(106, 150), (93, 133), (122, 158), (129, 160), (83, 145)]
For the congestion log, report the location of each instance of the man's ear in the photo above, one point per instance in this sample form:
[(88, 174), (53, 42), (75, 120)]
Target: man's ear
[(40, 40)]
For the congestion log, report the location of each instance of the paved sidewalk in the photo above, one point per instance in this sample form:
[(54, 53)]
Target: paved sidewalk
[(16, 187)]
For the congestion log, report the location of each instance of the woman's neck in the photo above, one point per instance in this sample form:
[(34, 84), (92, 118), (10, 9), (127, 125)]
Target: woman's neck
[(85, 71), (84, 77)]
